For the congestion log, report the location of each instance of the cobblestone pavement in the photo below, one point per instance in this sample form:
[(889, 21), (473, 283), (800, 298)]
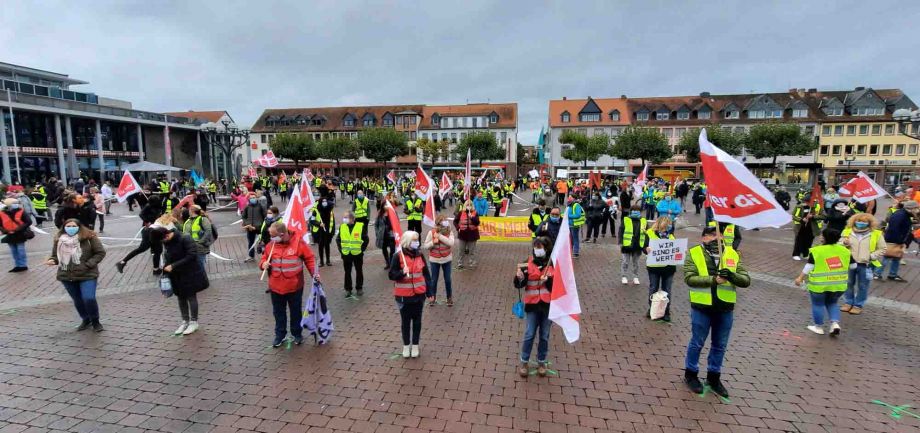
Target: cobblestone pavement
[(623, 376)]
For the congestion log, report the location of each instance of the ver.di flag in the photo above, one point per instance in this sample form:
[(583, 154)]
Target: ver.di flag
[(423, 184), (467, 176), (446, 185), (394, 224), (127, 187), (640, 182), (564, 306), (736, 196), (863, 188)]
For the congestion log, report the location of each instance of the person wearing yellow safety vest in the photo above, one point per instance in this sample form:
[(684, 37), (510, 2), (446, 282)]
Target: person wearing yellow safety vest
[(361, 207), (537, 216), (867, 246), (731, 234), (807, 221), (495, 194), (414, 208), (660, 277), (352, 240), (713, 276), (827, 270), (198, 227), (576, 214), (632, 240), (39, 204)]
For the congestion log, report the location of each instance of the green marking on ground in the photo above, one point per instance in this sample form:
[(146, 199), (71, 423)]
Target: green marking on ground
[(8, 312), (706, 390), (395, 355), (352, 297), (897, 411)]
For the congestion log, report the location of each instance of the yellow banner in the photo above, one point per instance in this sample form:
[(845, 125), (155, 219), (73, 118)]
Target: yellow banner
[(504, 229)]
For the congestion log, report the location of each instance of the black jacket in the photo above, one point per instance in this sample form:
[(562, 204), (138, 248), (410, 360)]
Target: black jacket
[(396, 273), (187, 276)]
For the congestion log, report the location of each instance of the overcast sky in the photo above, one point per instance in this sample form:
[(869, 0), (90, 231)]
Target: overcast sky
[(247, 56)]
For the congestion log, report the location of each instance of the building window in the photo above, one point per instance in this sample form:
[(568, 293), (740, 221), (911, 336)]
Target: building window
[(493, 118), (756, 114), (425, 135), (453, 137), (899, 149), (413, 135), (861, 149), (615, 116), (838, 130), (434, 136), (837, 149), (826, 130), (565, 117), (387, 121), (889, 129), (869, 111), (683, 115), (824, 150), (810, 130), (590, 117), (863, 129), (642, 117), (475, 122), (834, 111), (873, 149), (886, 149), (703, 114), (435, 120), (775, 114), (668, 132), (912, 149), (662, 116), (732, 114), (800, 113), (848, 149), (263, 139), (851, 129), (876, 129), (679, 132), (598, 131), (504, 136), (349, 122)]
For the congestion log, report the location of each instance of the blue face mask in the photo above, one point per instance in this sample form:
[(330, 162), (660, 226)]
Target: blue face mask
[(862, 225), (71, 230), (635, 214), (360, 195), (554, 219), (252, 201)]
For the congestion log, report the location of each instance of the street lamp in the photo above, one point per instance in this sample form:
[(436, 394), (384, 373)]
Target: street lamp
[(228, 140), (849, 159)]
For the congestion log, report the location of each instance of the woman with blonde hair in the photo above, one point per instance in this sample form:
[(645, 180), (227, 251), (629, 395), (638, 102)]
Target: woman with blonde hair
[(660, 277), (867, 247), (439, 242), (411, 278)]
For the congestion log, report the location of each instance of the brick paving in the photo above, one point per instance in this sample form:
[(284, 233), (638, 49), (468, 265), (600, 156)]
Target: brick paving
[(623, 376)]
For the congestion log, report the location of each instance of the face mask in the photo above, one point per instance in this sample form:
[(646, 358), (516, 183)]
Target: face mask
[(360, 195), (15, 206), (270, 216), (345, 220), (252, 201), (554, 218), (712, 246), (635, 214), (71, 230), (276, 238), (413, 245), (325, 203), (445, 223), (539, 252), (861, 225)]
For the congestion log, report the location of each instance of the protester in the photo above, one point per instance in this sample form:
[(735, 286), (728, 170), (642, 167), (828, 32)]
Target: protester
[(253, 217), (439, 242), (186, 275), (827, 269), (384, 239), (610, 214), (632, 241), (15, 226), (361, 208), (669, 207), (550, 227), (837, 215), (806, 222), (867, 246), (271, 215), (595, 216), (576, 216), (351, 241), (284, 259), (660, 277), (77, 252), (537, 216), (98, 207), (412, 278), (480, 204), (149, 214), (537, 281), (897, 236), (713, 275), (198, 227), (466, 220), (414, 208), (107, 196)]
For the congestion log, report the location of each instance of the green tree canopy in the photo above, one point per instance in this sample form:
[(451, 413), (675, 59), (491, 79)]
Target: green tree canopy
[(581, 148), (725, 139), (382, 144), (482, 145), (296, 147), (432, 150), (773, 139), (337, 149), (646, 144)]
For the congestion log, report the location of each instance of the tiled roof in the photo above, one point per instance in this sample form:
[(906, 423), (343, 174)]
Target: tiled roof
[(507, 113), (334, 117), (574, 106), (209, 116)]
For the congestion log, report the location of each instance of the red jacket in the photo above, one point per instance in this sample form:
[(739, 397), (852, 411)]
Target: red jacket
[(287, 264)]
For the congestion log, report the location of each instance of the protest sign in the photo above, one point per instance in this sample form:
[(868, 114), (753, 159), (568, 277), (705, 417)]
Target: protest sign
[(666, 252)]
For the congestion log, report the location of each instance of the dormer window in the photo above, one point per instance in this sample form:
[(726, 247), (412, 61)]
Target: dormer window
[(435, 119), (868, 111), (643, 116), (369, 120), (615, 116), (799, 113), (565, 117), (835, 111), (662, 116), (732, 114), (703, 114), (590, 117), (683, 115), (493, 118), (387, 119)]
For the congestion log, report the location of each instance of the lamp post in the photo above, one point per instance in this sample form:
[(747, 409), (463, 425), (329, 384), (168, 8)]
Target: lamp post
[(849, 159), (228, 139)]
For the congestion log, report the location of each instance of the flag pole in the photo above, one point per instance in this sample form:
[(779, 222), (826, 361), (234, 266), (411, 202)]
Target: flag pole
[(270, 252)]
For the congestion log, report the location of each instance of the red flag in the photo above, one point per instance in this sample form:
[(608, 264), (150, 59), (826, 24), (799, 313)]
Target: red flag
[(816, 196), (308, 174), (392, 176), (446, 185), (252, 172), (127, 187), (467, 176), (394, 224), (300, 205), (504, 209), (423, 184), (863, 188), (564, 305), (428, 213), (640, 182), (735, 195), (268, 160), (306, 195)]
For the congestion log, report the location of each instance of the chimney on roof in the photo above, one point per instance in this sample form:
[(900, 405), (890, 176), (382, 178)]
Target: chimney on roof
[(704, 94), (564, 98), (622, 96), (860, 88)]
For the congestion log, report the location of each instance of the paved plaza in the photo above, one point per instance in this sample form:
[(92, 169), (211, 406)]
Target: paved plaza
[(624, 375)]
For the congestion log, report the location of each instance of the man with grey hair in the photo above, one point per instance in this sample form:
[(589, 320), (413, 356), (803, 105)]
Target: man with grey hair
[(352, 240), (284, 259)]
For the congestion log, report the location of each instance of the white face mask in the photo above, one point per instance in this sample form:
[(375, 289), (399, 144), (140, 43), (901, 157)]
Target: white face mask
[(445, 223), (271, 215), (276, 238), (539, 252), (345, 220), (413, 245)]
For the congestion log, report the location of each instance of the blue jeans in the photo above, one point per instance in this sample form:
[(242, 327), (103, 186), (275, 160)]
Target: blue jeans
[(18, 251), (573, 236), (203, 260), (825, 301), (663, 282), (435, 273), (858, 282), (720, 323), (83, 294), (281, 304), (892, 271), (536, 319)]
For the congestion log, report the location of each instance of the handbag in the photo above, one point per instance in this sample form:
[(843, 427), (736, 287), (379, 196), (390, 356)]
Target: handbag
[(894, 251), (659, 304), (518, 308), (165, 287)]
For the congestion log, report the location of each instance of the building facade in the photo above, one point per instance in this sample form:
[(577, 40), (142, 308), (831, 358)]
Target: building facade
[(813, 110), (51, 130), (450, 122)]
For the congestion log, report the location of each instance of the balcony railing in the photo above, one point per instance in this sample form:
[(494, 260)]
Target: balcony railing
[(94, 108)]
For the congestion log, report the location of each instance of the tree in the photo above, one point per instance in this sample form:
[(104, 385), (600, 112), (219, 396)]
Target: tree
[(296, 147), (647, 144), (725, 139), (482, 146), (523, 158), (432, 150), (582, 148), (773, 139), (382, 144), (337, 149)]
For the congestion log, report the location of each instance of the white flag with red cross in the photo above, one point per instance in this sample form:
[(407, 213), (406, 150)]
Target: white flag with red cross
[(564, 305)]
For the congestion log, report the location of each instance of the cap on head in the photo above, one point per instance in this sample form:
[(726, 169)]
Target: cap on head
[(709, 230)]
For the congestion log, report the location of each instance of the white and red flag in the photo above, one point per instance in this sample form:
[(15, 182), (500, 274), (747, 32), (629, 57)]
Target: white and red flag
[(735, 195), (564, 306), (863, 189), (394, 224), (268, 160), (428, 213), (127, 187), (308, 174), (252, 172), (391, 176), (503, 211), (299, 206), (467, 176), (482, 177), (640, 182), (306, 195), (423, 184), (446, 185)]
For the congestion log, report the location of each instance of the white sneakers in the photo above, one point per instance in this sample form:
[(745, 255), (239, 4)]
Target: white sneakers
[(797, 258), (186, 328), (817, 329), (410, 351), (405, 353), (625, 280), (835, 329), (636, 281), (192, 327), (415, 350)]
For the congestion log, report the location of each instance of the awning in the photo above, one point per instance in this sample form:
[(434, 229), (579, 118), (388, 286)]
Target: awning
[(150, 166)]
